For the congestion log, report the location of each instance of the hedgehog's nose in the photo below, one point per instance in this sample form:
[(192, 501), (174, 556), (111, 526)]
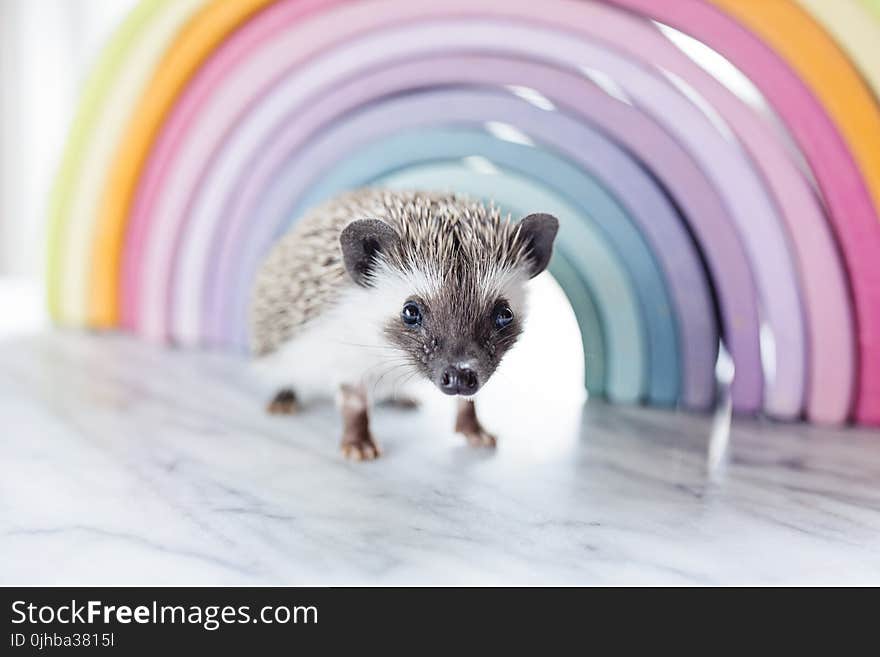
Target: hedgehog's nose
[(458, 381)]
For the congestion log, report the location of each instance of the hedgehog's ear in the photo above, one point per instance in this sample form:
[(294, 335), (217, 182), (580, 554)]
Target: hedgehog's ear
[(538, 232), (361, 242)]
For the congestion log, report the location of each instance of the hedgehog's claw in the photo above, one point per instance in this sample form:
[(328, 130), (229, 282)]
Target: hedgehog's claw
[(480, 438), (361, 450)]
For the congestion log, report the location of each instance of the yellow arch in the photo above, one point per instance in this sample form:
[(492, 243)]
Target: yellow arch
[(826, 70), (195, 42), (855, 30)]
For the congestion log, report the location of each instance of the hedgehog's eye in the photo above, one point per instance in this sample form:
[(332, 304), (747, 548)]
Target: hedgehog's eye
[(411, 314), (502, 315)]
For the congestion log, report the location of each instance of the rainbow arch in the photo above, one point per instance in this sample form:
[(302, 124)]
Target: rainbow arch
[(690, 216)]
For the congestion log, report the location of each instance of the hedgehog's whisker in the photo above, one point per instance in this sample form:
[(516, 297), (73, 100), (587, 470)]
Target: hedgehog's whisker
[(396, 362), (386, 373), (367, 346), (411, 376), (401, 381), (378, 380)]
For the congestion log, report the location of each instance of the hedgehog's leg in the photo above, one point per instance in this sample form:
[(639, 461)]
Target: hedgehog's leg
[(357, 441), (467, 424), (283, 403)]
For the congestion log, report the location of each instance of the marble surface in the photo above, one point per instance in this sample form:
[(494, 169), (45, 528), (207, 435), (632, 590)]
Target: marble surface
[(125, 463)]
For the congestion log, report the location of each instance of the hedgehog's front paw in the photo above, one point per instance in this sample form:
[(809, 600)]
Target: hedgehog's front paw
[(360, 448), (467, 424), (284, 403), (479, 438)]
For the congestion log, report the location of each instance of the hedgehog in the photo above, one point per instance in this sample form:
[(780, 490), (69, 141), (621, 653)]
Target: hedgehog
[(375, 290)]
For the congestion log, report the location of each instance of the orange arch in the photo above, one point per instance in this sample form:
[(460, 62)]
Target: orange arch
[(199, 38), (826, 69)]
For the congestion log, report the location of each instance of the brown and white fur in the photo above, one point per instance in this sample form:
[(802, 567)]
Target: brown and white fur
[(375, 288)]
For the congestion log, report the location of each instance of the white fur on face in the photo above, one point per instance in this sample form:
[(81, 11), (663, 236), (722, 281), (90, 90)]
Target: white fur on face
[(347, 344), (510, 284)]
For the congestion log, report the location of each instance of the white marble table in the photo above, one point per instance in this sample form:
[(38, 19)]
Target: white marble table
[(124, 463)]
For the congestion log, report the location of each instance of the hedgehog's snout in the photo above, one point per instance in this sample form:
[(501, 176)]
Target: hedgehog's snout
[(458, 380)]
